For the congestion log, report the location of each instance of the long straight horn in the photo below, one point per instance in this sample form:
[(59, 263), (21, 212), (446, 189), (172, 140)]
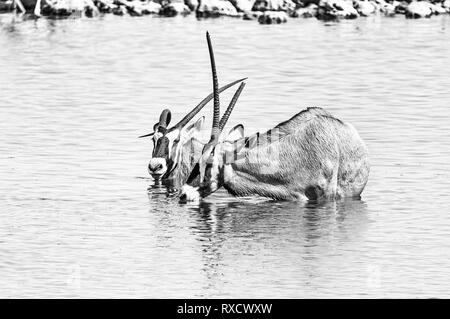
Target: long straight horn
[(226, 115), (202, 104), (216, 115)]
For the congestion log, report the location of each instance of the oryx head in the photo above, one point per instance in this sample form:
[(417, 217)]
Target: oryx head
[(167, 141), (207, 168)]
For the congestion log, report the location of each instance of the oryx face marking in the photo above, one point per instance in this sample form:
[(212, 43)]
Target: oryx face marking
[(164, 151)]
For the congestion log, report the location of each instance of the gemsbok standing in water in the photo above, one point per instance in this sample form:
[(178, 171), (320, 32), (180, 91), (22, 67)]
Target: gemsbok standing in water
[(167, 142), (312, 156)]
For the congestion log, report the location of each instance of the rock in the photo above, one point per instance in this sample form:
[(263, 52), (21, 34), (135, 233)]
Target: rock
[(336, 9), (273, 17), (437, 8), (365, 8), (400, 7), (105, 6), (243, 5), (135, 7), (305, 3), (164, 3), (307, 12), (173, 9), (150, 7), (446, 5), (70, 7), (215, 8), (388, 9), (418, 9), (274, 5), (253, 15), (192, 4), (119, 10), (6, 6)]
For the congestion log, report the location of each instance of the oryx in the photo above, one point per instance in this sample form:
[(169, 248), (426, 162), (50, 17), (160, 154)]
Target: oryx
[(311, 156)]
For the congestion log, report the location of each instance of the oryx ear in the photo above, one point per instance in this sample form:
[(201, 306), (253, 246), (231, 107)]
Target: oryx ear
[(165, 117), (199, 123), (195, 127), (235, 133)]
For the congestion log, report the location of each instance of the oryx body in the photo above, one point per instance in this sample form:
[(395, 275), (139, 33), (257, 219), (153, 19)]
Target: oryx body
[(311, 156)]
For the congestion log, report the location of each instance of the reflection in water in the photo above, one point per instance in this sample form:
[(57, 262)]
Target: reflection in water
[(275, 225)]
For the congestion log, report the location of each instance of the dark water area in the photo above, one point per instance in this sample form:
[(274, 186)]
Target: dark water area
[(81, 217)]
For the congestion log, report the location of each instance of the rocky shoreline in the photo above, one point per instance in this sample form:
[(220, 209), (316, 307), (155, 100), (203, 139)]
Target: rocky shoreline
[(264, 11)]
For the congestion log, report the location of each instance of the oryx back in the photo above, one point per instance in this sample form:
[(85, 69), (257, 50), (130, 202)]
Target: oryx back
[(313, 155)]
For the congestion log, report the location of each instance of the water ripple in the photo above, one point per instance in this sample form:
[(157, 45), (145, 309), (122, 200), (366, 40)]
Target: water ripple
[(77, 217)]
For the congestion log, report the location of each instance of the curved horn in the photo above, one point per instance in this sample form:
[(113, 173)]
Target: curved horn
[(226, 115), (216, 114), (202, 104)]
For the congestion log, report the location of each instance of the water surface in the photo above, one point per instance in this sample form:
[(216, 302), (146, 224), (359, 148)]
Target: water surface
[(77, 219)]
